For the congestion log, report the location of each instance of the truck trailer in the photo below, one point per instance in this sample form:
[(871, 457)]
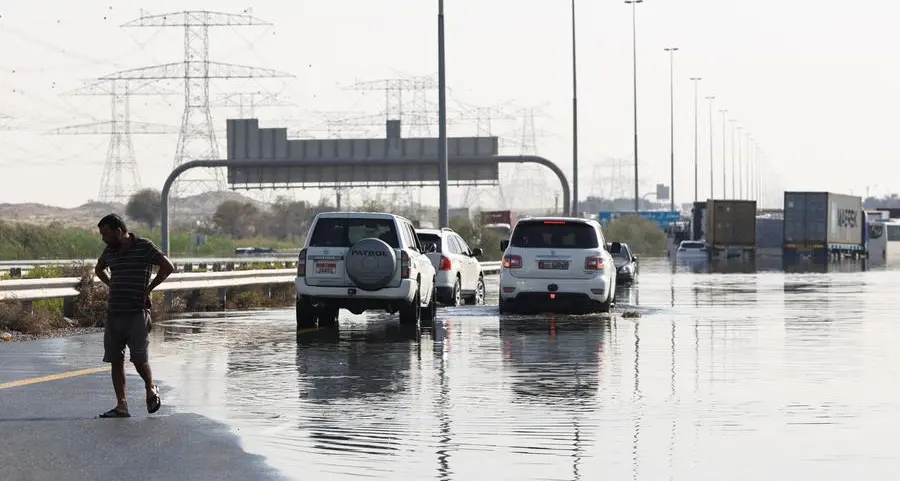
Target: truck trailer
[(823, 225), (730, 227)]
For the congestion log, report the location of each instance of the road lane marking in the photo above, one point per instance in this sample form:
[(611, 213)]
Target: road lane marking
[(94, 370), (53, 377)]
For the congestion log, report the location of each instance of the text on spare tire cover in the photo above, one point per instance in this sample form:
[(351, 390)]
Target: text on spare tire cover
[(369, 253)]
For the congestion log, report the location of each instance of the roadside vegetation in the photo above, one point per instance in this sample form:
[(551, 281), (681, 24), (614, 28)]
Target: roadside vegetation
[(89, 307), (643, 236), (283, 225)]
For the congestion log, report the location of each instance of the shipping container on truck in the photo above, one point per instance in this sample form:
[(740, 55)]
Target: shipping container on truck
[(498, 217), (698, 221), (823, 223), (731, 224), (769, 233)]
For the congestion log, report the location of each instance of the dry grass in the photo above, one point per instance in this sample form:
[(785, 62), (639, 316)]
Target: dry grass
[(90, 304), (39, 322)]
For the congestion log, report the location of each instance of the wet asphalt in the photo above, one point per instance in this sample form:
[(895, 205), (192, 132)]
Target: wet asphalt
[(735, 374)]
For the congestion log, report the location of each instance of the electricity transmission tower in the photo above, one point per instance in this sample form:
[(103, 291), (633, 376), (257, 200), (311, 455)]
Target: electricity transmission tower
[(120, 177), (197, 137), (248, 102), (413, 116)]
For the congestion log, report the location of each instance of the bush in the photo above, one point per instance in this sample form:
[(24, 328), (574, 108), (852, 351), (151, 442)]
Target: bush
[(644, 237), (475, 236), (28, 242), (13, 318)]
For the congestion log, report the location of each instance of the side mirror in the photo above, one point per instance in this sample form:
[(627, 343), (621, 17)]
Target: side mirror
[(477, 252), (430, 247), (634, 258), (503, 245), (615, 248)]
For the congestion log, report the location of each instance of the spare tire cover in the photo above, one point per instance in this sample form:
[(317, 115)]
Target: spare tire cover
[(370, 264)]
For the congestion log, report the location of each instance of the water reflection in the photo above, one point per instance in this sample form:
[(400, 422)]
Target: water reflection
[(747, 374), (554, 360), (371, 362)]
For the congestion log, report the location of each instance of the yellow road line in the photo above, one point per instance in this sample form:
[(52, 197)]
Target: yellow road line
[(93, 370), (53, 377)]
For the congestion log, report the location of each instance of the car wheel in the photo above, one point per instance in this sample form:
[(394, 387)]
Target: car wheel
[(479, 295), (456, 298), (429, 312), (411, 313), (328, 316), (607, 304), (306, 314)]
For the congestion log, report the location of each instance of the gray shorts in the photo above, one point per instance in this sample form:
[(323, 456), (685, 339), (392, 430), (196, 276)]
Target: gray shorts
[(131, 329)]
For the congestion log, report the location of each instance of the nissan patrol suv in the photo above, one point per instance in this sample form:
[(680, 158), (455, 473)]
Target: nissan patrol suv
[(361, 261)]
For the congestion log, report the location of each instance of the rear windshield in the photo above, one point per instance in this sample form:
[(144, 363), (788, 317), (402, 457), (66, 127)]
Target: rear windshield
[(693, 245), (337, 232), (432, 239), (568, 235)]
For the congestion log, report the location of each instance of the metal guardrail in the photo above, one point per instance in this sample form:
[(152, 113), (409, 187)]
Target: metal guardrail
[(24, 264), (62, 287)]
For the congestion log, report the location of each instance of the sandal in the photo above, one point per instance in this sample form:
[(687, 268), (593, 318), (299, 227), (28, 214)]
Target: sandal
[(114, 413), (153, 400)]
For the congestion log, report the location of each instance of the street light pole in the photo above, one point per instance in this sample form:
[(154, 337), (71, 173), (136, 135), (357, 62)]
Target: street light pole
[(712, 187), (672, 51), (633, 3), (724, 153), (696, 81), (575, 211), (733, 171), (444, 213), (740, 164)]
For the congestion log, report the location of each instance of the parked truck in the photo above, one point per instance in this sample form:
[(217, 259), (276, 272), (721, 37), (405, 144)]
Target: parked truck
[(730, 227), (698, 221), (823, 225), (500, 221)]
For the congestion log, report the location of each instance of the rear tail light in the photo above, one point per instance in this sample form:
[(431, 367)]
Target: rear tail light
[(445, 263), (301, 263), (512, 262), (404, 265), (594, 263)]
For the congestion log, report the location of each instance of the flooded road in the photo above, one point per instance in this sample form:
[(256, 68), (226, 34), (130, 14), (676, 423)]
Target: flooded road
[(723, 376)]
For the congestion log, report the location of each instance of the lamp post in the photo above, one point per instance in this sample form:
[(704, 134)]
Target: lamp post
[(444, 213), (633, 3), (712, 187), (740, 167), (724, 152), (672, 51), (696, 81), (575, 211), (733, 171)]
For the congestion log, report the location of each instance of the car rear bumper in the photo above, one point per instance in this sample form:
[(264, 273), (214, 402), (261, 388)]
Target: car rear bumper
[(554, 293), (405, 292)]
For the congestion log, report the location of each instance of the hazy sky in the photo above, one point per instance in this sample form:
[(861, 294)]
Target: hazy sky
[(811, 81)]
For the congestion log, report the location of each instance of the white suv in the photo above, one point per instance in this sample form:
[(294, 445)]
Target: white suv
[(360, 261), (459, 274), (553, 263)]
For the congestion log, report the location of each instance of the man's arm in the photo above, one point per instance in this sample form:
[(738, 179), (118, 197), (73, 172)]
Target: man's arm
[(165, 269), (100, 269)]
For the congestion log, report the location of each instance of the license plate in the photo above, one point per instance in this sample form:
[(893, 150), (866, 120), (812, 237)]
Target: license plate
[(560, 265), (326, 268)]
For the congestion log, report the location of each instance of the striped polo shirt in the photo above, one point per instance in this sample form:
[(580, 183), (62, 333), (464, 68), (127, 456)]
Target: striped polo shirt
[(130, 274)]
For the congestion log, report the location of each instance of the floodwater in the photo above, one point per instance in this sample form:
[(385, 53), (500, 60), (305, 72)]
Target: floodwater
[(740, 375)]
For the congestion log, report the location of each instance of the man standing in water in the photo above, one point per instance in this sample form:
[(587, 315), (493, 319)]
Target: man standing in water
[(130, 260)]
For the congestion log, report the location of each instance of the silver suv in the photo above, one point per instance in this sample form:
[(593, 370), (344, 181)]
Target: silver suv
[(360, 261), (459, 274)]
